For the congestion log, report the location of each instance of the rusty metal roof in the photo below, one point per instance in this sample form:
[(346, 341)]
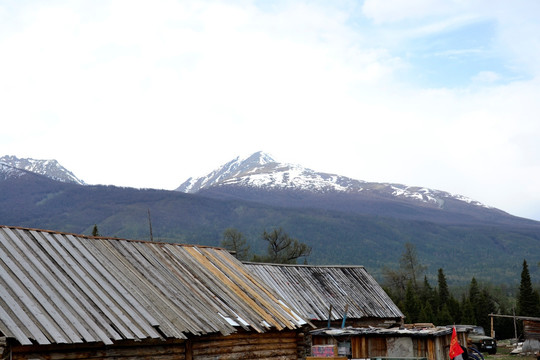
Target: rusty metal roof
[(311, 290), (66, 288)]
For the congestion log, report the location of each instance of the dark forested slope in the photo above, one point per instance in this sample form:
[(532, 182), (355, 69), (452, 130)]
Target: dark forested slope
[(489, 252)]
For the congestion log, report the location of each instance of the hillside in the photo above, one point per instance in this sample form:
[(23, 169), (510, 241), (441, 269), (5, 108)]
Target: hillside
[(259, 178), (488, 252), (49, 168)]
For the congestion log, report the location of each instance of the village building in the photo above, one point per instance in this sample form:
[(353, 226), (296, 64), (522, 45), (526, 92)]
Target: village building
[(429, 343), (67, 296), (531, 330), (331, 296)]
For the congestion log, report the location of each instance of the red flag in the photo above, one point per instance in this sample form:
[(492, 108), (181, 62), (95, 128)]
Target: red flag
[(455, 349)]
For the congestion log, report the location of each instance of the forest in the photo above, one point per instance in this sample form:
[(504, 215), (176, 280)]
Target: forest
[(335, 237), (423, 302), (410, 289)]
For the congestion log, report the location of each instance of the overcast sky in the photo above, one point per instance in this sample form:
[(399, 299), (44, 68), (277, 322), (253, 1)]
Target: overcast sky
[(441, 94)]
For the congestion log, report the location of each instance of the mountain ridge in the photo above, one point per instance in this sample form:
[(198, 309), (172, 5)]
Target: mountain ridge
[(260, 178), (463, 244), (49, 168), (262, 171)]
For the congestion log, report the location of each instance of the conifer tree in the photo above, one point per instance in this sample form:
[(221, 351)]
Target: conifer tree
[(444, 293), (444, 317), (95, 231), (447, 302), (426, 314), (412, 303), (528, 301), (486, 306), (467, 314), (474, 300)]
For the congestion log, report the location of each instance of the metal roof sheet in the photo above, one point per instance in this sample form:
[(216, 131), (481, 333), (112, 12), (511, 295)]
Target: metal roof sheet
[(66, 288), (311, 290)]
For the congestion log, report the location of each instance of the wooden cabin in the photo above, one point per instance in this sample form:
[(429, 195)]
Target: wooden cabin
[(431, 343), (331, 296), (67, 296), (531, 330)]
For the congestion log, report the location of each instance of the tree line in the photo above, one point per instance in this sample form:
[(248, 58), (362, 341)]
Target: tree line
[(409, 288)]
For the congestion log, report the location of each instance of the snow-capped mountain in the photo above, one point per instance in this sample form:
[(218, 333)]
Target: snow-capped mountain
[(49, 168), (10, 172), (261, 171)]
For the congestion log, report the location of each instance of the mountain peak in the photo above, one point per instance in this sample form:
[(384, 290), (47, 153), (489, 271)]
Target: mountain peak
[(234, 168), (49, 168), (261, 171), (259, 157), (7, 171)]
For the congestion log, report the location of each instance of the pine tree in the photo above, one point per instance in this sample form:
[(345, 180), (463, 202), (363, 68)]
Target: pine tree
[(426, 314), (486, 306), (467, 313), (528, 301), (444, 317), (447, 303), (474, 300), (428, 295), (412, 303), (95, 231), (444, 293)]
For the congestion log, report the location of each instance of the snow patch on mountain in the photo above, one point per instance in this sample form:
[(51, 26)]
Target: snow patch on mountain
[(261, 171), (50, 168), (9, 172)]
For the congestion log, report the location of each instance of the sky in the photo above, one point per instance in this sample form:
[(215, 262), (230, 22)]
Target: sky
[(433, 93)]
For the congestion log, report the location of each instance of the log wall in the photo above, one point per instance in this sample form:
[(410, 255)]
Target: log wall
[(284, 345), (268, 346)]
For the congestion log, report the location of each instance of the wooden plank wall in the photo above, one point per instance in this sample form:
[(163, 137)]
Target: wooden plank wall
[(127, 351), (284, 345), (267, 346)]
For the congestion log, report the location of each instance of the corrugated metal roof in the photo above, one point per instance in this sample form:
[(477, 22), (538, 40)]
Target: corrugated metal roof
[(66, 288), (310, 290)]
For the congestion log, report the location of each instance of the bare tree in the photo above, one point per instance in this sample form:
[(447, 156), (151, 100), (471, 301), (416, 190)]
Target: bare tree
[(410, 269), (282, 249), (234, 241), (410, 264)]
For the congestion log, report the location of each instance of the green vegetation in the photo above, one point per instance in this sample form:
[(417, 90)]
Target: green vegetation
[(528, 301), (95, 231), (487, 253), (440, 305)]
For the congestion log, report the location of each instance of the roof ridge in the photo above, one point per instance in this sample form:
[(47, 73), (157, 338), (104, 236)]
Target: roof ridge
[(303, 265), (109, 237)]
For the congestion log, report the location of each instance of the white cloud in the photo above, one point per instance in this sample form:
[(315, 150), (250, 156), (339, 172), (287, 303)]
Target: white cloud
[(384, 11), (486, 77), (132, 94)]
